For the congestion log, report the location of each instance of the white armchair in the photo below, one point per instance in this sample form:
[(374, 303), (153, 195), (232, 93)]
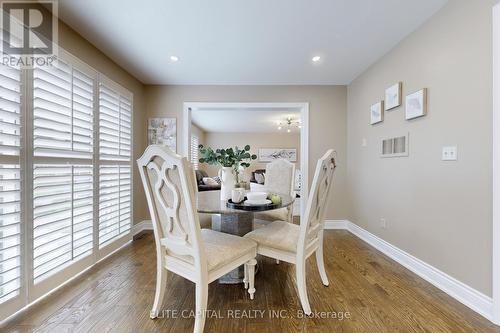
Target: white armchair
[(294, 244), (199, 255)]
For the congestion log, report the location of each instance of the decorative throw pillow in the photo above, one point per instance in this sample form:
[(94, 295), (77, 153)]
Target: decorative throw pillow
[(217, 179), (209, 181), (260, 178)]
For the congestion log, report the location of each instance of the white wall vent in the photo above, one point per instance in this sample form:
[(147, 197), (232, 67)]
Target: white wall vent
[(394, 146)]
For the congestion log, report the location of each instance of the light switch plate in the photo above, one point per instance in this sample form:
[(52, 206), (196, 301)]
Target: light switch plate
[(449, 153)]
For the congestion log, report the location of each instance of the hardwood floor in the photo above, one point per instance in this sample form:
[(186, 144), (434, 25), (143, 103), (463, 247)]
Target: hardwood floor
[(378, 295)]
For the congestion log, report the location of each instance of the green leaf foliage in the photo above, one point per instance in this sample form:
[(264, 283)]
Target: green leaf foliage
[(228, 157)]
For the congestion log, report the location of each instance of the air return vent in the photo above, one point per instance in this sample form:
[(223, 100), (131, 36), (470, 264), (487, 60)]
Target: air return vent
[(395, 146)]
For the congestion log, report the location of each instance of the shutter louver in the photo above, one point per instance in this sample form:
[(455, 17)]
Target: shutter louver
[(115, 113), (194, 151), (114, 202), (62, 216), (10, 110), (63, 112), (10, 231), (10, 182)]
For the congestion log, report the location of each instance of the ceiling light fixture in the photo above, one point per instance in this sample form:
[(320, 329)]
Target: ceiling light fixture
[(316, 58), (289, 124), (174, 58)]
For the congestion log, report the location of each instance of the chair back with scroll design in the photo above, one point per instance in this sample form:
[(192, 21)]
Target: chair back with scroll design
[(169, 183), (311, 228), (280, 177)]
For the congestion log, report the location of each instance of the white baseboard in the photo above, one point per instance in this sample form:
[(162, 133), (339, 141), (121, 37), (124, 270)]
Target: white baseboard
[(141, 226), (336, 224), (463, 293)]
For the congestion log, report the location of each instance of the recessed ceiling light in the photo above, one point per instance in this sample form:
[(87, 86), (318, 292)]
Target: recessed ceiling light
[(174, 58), (316, 58), (288, 130), (279, 127)]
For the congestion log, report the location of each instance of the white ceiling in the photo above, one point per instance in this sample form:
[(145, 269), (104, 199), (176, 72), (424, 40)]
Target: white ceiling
[(246, 41), (243, 120)]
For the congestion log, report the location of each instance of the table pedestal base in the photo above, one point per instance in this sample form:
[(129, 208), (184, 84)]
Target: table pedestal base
[(238, 224)]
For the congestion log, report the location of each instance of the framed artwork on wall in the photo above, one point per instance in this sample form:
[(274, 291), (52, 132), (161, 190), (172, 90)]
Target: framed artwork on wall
[(416, 104), (271, 154), (377, 113), (393, 96), (163, 131)]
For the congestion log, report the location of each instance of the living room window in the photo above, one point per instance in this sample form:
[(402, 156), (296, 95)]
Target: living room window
[(195, 142)]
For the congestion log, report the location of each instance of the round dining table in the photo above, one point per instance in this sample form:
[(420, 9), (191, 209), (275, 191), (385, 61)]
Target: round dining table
[(233, 221)]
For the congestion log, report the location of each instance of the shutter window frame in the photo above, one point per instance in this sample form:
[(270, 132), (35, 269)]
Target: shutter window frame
[(48, 247)]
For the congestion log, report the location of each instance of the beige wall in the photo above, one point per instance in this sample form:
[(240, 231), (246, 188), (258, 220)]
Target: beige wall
[(437, 211), (195, 130), (75, 44), (327, 118), (256, 141)]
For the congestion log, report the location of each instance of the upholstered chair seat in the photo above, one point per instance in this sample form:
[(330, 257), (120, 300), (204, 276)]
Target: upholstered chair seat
[(278, 234), (221, 249)]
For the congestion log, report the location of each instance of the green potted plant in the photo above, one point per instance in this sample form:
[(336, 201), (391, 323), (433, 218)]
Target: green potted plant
[(232, 162)]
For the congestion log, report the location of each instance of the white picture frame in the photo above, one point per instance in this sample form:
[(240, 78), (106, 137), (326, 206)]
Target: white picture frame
[(163, 131), (271, 154), (377, 113), (416, 104), (393, 97)]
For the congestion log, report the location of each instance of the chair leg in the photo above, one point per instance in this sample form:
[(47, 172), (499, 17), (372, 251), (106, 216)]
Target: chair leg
[(201, 307), (277, 261), (300, 271), (321, 266), (250, 264), (161, 283), (245, 275)]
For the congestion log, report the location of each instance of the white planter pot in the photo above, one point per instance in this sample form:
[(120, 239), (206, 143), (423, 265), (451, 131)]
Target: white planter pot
[(228, 182)]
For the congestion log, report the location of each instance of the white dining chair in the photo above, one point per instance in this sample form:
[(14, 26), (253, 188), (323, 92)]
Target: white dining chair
[(280, 179), (293, 243), (182, 247)]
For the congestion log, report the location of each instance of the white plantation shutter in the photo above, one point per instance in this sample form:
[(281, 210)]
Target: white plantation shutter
[(62, 216), (115, 173), (10, 110), (114, 202), (63, 104), (114, 125), (65, 172), (195, 141), (10, 183), (62, 112), (10, 231)]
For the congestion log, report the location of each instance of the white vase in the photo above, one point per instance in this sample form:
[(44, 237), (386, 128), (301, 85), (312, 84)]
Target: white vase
[(228, 182)]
